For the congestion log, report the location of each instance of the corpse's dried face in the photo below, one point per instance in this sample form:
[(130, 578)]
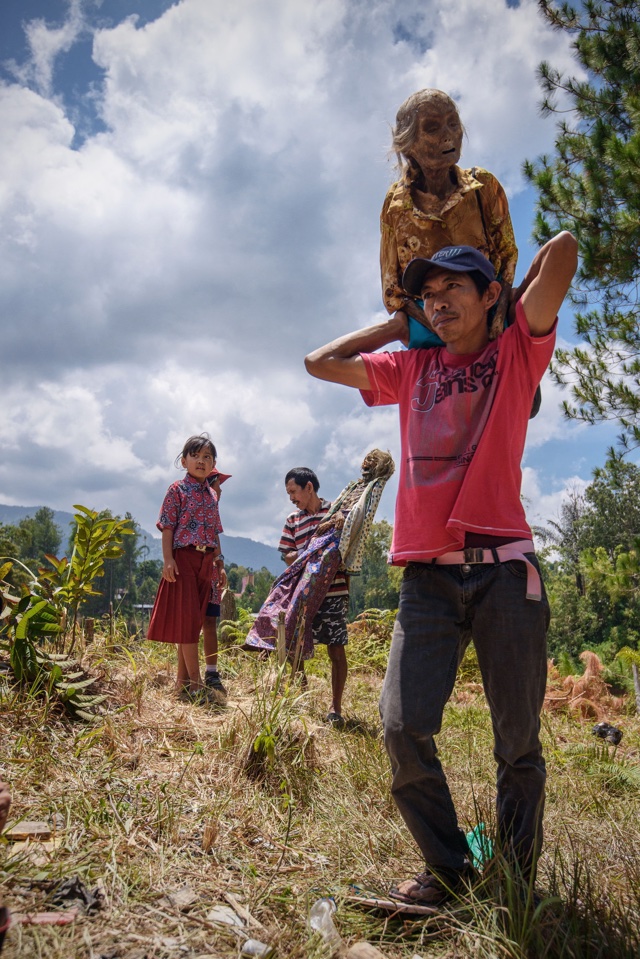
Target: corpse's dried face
[(438, 141)]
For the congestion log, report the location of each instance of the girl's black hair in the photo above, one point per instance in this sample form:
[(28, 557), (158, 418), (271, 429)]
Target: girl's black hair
[(194, 444)]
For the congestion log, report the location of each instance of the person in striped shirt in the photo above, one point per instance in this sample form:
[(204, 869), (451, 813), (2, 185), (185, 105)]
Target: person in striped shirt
[(330, 623)]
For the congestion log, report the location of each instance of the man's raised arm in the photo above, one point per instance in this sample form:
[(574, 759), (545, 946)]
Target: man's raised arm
[(340, 360), (547, 282)]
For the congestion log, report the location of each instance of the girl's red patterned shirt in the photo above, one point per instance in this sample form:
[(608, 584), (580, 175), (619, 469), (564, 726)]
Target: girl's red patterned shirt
[(190, 509)]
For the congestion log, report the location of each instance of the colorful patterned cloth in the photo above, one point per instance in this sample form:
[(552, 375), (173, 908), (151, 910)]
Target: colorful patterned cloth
[(299, 592), (301, 589), (298, 532)]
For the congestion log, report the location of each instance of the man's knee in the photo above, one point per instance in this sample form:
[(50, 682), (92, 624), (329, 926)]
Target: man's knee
[(337, 654), (407, 748)]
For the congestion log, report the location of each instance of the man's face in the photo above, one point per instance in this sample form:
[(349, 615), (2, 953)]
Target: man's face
[(438, 141), (456, 311), (300, 496)]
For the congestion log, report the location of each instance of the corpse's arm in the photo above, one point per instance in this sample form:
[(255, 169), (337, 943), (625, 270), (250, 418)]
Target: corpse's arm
[(393, 296), (503, 251), (390, 272), (340, 360), (547, 282)]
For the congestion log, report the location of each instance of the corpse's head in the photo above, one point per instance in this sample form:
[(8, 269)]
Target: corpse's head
[(427, 137)]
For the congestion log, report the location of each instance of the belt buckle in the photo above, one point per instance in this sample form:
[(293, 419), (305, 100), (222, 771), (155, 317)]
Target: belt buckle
[(201, 549), (473, 555)]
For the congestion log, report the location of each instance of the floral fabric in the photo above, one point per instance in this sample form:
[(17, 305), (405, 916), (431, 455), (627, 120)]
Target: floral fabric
[(298, 532), (299, 591), (407, 232)]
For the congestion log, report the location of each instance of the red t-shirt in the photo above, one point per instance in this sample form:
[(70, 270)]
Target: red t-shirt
[(463, 424)]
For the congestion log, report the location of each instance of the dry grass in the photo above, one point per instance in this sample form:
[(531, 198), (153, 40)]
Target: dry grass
[(162, 797)]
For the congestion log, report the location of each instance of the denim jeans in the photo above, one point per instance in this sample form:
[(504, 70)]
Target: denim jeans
[(441, 609)]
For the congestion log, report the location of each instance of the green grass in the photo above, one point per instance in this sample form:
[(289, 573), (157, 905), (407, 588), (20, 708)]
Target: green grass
[(160, 795)]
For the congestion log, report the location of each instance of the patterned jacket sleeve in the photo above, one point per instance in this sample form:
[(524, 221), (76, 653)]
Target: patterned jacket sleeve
[(495, 207), (170, 509), (390, 272)]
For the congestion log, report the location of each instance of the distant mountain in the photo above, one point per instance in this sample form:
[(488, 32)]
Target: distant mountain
[(237, 549)]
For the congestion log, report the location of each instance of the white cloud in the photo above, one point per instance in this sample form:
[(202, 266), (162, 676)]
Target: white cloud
[(45, 45), (541, 507)]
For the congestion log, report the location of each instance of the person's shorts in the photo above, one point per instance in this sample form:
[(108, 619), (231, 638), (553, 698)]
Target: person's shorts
[(213, 609), (330, 624)]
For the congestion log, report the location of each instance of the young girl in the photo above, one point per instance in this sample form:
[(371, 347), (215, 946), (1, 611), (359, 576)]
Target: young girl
[(190, 525)]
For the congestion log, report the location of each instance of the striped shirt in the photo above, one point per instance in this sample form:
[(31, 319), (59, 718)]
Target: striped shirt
[(298, 532)]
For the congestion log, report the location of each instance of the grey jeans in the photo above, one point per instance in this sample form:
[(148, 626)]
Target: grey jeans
[(441, 609)]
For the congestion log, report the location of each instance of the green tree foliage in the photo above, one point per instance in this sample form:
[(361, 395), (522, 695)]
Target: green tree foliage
[(378, 586), (11, 548), (594, 585), (147, 575), (39, 537), (30, 541), (564, 535), (591, 186), (612, 516), (255, 592), (574, 622)]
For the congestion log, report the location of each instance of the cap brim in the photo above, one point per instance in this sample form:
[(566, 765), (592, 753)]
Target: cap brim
[(416, 271)]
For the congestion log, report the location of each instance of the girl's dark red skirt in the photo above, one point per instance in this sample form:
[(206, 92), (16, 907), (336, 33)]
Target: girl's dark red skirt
[(179, 609)]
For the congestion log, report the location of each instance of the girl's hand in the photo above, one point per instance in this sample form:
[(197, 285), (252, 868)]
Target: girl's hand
[(223, 577), (170, 570)]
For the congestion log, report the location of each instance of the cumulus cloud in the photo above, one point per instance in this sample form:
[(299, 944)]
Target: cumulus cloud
[(168, 274), (46, 44), (544, 504)]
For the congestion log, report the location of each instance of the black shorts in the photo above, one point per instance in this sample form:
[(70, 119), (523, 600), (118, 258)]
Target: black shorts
[(330, 624), (213, 609)]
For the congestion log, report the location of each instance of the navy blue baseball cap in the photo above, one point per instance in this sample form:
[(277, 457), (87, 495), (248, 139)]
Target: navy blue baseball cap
[(460, 259)]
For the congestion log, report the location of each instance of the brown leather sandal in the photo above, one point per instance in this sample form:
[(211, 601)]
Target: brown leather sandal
[(427, 889)]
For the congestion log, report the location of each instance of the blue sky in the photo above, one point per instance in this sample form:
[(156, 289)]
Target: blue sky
[(190, 202)]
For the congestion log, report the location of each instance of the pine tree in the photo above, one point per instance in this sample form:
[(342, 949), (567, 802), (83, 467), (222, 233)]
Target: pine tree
[(591, 186)]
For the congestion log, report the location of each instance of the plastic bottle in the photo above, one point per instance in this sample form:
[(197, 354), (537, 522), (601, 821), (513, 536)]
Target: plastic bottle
[(255, 948), (480, 846), (321, 920)]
